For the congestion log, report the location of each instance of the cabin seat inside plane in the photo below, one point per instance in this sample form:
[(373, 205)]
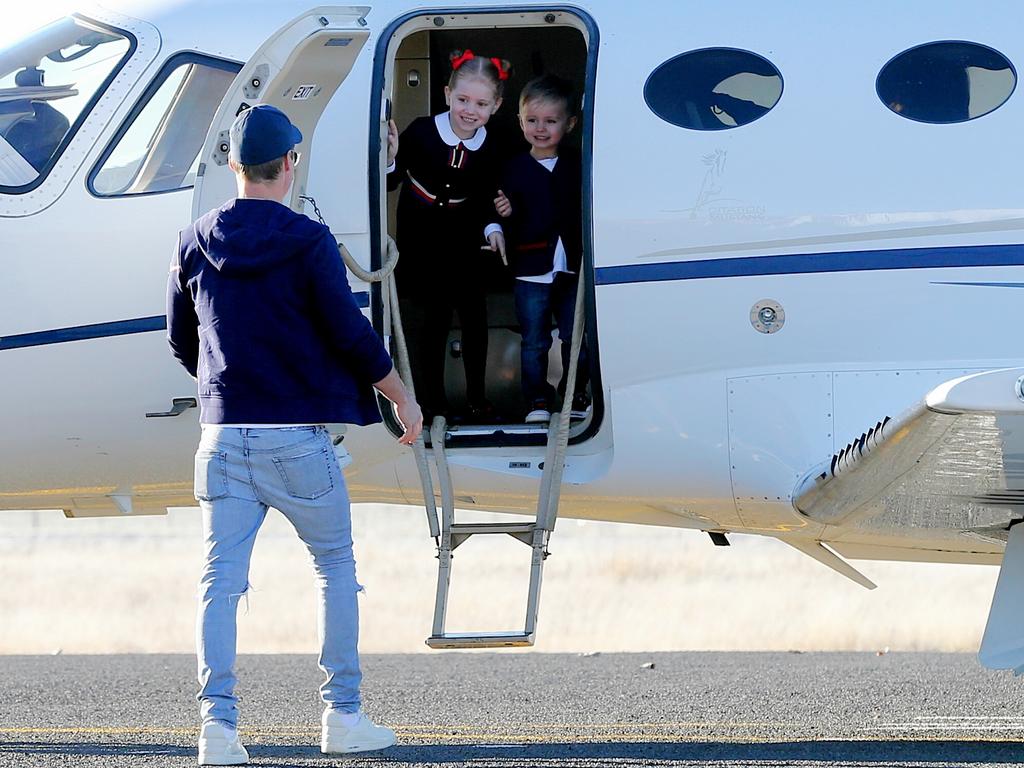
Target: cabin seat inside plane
[(37, 135)]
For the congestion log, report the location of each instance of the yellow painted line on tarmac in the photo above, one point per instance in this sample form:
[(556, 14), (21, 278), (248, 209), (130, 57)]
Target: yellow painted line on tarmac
[(521, 734), (417, 730), (461, 737), (524, 739), (594, 726), (105, 731)]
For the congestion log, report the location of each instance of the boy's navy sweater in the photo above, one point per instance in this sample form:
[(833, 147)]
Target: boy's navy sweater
[(546, 205), (259, 310)]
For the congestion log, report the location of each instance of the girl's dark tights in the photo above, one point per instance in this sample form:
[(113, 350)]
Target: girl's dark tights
[(437, 311)]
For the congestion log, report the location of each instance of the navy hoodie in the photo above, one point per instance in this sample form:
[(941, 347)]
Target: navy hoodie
[(259, 310)]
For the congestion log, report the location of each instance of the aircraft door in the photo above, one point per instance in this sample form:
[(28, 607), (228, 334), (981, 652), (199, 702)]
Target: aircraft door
[(318, 50)]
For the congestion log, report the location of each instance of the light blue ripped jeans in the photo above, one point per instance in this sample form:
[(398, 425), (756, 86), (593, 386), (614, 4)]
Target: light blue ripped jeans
[(240, 472)]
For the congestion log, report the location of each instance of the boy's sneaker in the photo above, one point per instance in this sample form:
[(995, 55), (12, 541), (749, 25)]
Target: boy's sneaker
[(219, 745), (581, 407), (352, 732), (540, 414)]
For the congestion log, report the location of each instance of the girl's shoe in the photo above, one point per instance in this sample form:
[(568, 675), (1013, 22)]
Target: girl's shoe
[(482, 413)]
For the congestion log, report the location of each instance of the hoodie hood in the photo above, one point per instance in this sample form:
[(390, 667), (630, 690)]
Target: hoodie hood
[(247, 235)]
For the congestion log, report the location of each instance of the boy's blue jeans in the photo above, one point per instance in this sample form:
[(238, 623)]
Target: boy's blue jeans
[(535, 304), (239, 473)]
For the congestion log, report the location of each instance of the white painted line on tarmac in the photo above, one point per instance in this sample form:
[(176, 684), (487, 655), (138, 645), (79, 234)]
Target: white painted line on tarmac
[(953, 723)]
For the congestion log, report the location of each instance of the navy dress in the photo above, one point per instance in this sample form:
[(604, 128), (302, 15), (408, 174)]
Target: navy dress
[(446, 202)]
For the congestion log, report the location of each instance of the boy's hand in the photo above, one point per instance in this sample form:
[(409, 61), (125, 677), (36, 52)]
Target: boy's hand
[(497, 243), (502, 206), (392, 141)]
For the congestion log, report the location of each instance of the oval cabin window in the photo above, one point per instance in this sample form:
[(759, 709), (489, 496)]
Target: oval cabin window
[(713, 89), (946, 82)]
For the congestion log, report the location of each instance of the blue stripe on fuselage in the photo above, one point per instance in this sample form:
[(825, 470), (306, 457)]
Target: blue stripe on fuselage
[(80, 332), (808, 263), (104, 330), (946, 257)]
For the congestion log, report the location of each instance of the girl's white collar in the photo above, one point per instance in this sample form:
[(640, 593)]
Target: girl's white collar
[(444, 129)]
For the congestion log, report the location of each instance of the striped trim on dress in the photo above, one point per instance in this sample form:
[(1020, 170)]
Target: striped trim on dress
[(426, 195)]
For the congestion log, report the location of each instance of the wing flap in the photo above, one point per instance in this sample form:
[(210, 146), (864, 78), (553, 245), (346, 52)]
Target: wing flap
[(953, 462)]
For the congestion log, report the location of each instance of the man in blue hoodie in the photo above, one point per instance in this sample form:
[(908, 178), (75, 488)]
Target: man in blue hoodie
[(259, 310)]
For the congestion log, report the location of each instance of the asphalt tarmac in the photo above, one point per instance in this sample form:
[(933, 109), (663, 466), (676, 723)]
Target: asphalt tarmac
[(512, 710)]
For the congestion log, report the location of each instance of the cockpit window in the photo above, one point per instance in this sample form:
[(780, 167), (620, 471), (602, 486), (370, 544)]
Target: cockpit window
[(157, 148), (48, 82)]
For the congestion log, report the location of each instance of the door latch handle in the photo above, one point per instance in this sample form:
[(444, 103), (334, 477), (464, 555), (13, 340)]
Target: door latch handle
[(178, 406)]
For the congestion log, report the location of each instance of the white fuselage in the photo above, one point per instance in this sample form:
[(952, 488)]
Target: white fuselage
[(881, 239)]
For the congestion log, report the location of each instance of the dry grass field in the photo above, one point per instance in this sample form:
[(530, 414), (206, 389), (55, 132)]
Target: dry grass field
[(128, 585)]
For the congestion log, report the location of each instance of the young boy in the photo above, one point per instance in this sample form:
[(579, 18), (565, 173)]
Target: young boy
[(540, 201)]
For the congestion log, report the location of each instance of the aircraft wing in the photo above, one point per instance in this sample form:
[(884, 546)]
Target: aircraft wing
[(954, 462), (952, 465)]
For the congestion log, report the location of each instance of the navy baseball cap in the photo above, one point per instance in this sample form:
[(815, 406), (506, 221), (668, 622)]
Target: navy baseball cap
[(261, 134)]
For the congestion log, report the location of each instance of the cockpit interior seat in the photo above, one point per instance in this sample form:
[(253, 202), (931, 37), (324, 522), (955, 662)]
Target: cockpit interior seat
[(37, 136)]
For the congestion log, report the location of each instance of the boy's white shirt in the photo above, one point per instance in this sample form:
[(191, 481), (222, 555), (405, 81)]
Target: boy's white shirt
[(559, 263)]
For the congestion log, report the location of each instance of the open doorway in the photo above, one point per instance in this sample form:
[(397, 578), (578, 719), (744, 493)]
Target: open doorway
[(412, 68)]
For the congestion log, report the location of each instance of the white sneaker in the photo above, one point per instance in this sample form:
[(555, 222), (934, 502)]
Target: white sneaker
[(538, 416), (219, 745), (362, 736)]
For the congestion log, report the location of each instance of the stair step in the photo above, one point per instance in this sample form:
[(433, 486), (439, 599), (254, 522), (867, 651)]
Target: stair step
[(462, 640), (512, 528)]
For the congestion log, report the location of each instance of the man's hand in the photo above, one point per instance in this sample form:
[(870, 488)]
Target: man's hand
[(407, 410), (392, 141), (502, 205), (496, 242), (411, 418)]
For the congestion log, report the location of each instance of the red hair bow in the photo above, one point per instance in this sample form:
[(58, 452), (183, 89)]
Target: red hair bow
[(467, 55), (502, 72)]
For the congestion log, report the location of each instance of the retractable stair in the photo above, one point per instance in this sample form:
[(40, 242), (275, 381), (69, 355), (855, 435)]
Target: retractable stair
[(534, 534)]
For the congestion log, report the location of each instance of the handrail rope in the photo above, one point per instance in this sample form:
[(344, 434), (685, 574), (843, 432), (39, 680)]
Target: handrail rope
[(393, 327), (385, 276), (558, 437)]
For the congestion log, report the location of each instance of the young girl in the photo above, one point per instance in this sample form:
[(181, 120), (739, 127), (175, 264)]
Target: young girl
[(448, 167)]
